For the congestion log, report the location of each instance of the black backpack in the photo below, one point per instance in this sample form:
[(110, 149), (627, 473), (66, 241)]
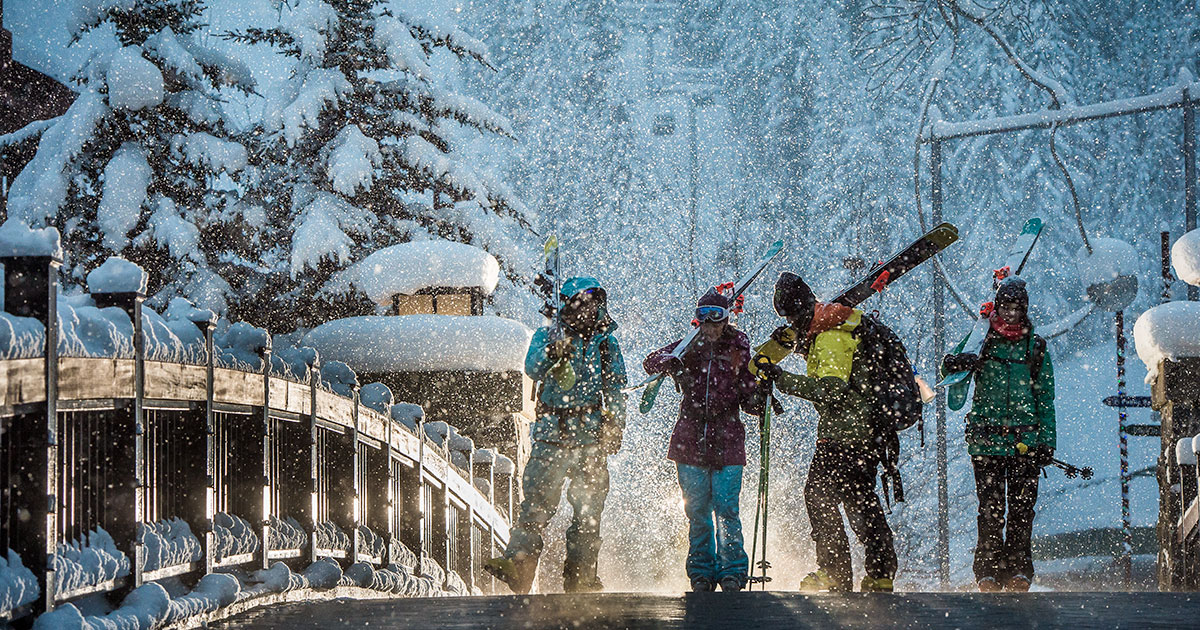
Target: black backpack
[(895, 400)]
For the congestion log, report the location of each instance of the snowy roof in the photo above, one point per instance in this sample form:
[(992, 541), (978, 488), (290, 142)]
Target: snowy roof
[(1167, 331), (423, 343), (409, 267)]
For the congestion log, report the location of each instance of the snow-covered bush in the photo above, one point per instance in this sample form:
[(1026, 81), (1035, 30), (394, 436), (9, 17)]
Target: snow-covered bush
[(233, 536), (168, 543), (91, 559)]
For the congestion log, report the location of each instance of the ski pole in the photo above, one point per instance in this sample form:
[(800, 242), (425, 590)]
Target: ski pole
[(764, 481), (1072, 471)]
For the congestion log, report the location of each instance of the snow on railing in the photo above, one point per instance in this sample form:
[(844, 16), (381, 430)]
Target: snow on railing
[(286, 533), (234, 536), (87, 561), (18, 585), (168, 543)]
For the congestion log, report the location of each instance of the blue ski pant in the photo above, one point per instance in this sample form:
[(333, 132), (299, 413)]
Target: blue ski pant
[(549, 466), (713, 553)]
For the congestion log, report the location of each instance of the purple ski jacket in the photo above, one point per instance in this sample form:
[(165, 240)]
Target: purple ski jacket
[(715, 383)]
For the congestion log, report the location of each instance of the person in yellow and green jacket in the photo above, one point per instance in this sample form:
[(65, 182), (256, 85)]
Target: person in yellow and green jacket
[(1010, 437), (842, 472)]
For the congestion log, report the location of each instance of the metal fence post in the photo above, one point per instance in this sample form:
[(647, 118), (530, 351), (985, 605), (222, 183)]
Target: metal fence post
[(268, 483), (210, 447), (939, 348), (314, 382), (131, 456), (31, 527)]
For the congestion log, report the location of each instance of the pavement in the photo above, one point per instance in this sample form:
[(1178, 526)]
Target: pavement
[(736, 611)]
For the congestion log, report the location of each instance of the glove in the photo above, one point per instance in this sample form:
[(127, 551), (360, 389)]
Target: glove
[(673, 366), (1042, 455), (963, 362), (768, 371), (784, 336), (559, 350)]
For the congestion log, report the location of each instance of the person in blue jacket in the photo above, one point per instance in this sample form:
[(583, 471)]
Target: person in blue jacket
[(576, 429)]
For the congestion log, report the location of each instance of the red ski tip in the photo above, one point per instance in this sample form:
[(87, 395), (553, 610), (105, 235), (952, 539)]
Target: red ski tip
[(881, 282), (1002, 272), (985, 311)]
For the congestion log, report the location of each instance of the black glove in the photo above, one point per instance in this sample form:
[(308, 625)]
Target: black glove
[(559, 350), (962, 362), (784, 336), (674, 365), (1042, 455), (768, 371)]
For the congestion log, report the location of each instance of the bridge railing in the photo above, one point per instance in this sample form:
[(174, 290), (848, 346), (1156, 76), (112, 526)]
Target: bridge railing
[(121, 471)]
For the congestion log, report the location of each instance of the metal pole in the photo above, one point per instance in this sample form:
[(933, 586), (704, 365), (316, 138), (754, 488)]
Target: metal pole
[(1166, 266), (693, 180), (1126, 527), (939, 348), (1189, 173)]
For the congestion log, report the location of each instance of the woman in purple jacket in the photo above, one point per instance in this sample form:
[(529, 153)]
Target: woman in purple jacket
[(708, 445)]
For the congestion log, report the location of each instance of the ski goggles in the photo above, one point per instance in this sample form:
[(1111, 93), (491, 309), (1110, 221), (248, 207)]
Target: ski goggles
[(711, 313)]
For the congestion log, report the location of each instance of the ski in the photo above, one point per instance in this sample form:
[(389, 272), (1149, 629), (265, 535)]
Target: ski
[(883, 274), (654, 382), (958, 383), (879, 278), (549, 283)]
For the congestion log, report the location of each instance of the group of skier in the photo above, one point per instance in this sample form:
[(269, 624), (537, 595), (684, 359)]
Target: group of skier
[(1010, 435)]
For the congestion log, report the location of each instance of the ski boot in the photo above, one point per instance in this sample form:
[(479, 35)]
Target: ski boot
[(730, 584), (703, 585), (1017, 584), (875, 585), (989, 585), (820, 582), (517, 574)]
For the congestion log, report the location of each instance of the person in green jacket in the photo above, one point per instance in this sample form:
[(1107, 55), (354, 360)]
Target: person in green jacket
[(1010, 437), (577, 427), (842, 473)]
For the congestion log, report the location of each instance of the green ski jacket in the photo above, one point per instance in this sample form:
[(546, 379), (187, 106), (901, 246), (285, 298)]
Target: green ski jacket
[(1009, 405)]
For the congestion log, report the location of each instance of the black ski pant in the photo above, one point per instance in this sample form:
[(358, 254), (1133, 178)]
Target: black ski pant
[(843, 474), (1003, 552)]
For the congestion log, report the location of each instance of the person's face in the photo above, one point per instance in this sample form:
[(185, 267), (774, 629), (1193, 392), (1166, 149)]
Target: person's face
[(1010, 312), (711, 331), (582, 311)]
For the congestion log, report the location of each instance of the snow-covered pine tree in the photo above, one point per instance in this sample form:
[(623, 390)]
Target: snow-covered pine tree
[(363, 147), (144, 164)]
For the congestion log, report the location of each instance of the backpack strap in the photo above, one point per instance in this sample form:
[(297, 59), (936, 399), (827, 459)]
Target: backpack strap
[(1036, 356)]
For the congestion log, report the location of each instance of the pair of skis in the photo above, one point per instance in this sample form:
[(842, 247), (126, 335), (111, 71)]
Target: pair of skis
[(550, 284), (958, 384)]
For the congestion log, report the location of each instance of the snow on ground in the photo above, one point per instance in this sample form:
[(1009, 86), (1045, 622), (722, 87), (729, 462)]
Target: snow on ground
[(1185, 257), (409, 267), (18, 586), (168, 543), (88, 560), (374, 344), (1167, 331)]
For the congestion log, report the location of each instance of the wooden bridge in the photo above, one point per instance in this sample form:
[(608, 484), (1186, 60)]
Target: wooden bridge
[(130, 445)]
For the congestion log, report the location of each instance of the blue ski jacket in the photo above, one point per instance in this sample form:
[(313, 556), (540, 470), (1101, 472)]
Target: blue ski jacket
[(574, 416)]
